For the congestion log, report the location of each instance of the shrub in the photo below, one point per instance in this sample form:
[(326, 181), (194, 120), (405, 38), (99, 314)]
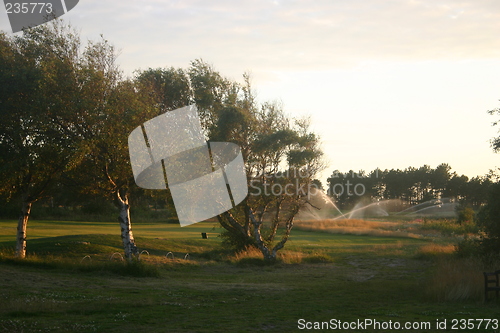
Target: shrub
[(235, 241), (469, 247), (466, 215), (449, 227)]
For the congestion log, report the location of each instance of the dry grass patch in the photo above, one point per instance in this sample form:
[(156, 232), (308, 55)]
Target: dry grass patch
[(284, 256), (434, 249), (291, 257), (356, 227), (249, 253), (456, 279)]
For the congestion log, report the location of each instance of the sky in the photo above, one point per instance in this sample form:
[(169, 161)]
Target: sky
[(386, 83)]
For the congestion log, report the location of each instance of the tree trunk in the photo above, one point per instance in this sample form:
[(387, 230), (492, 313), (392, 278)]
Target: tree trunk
[(268, 256), (21, 229), (126, 227), (284, 239)]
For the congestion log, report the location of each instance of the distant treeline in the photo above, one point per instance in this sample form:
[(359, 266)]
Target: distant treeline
[(411, 185)]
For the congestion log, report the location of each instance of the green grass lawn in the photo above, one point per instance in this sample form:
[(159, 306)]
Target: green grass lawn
[(366, 277), (40, 229)]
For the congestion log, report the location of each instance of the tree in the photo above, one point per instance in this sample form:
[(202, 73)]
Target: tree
[(39, 132), (457, 187), (67, 114), (280, 154), (489, 221), (489, 215), (397, 185), (211, 92), (114, 108), (118, 107), (169, 88), (477, 190), (495, 142), (351, 188), (439, 179), (411, 186)]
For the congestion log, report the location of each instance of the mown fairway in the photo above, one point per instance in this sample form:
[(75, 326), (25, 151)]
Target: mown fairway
[(342, 277)]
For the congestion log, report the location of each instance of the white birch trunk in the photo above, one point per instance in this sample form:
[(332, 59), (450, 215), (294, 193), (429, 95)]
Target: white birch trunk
[(21, 229), (268, 256), (126, 227)]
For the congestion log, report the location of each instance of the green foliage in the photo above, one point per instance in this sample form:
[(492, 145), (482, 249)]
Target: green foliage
[(38, 133), (495, 142), (486, 246), (411, 185), (469, 247), (235, 241), (271, 143), (489, 221), (169, 87), (450, 227), (466, 215), (97, 207)]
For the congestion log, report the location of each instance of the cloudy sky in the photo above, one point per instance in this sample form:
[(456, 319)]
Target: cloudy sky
[(387, 83)]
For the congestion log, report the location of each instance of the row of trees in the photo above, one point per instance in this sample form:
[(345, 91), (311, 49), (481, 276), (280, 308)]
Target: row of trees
[(67, 112), (411, 185)]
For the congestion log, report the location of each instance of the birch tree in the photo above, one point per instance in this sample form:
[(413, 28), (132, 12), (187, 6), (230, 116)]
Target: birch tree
[(66, 111), (105, 169), (115, 106), (37, 138)]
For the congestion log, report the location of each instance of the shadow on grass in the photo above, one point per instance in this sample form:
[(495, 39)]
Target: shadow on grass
[(133, 268)]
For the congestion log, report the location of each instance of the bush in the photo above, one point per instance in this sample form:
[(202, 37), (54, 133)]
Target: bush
[(469, 247), (466, 215), (235, 241), (450, 227)]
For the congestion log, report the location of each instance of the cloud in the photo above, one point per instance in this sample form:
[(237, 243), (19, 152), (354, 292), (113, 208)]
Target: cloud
[(289, 35), (389, 59)]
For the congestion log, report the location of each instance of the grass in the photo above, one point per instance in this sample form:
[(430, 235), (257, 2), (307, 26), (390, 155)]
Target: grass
[(47, 228), (358, 227), (449, 227), (411, 228), (320, 276), (433, 250)]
